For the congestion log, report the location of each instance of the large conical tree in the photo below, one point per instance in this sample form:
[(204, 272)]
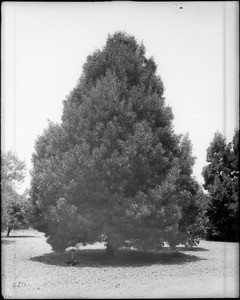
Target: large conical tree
[(114, 165)]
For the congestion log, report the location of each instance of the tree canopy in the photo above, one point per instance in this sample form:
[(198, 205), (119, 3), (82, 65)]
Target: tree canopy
[(114, 169), (15, 207), (221, 177)]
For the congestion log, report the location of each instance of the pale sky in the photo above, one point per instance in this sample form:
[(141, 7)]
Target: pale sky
[(45, 44)]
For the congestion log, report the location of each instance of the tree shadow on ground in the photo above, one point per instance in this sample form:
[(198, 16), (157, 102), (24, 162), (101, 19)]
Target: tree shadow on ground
[(21, 236), (6, 242), (124, 258), (193, 249)]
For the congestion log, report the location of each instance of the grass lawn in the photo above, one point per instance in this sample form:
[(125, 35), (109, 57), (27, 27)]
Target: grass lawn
[(31, 270)]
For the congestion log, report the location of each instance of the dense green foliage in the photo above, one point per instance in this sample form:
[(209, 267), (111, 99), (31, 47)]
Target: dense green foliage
[(15, 207), (114, 169), (221, 177)]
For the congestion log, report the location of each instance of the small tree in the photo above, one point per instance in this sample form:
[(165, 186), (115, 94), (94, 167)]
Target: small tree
[(200, 228), (15, 207), (115, 159), (221, 177)]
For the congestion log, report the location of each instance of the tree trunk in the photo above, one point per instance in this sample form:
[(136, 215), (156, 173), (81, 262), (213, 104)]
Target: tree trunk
[(110, 251), (8, 230), (173, 249)]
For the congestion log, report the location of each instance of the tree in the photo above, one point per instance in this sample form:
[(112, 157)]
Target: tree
[(221, 177), (200, 227), (15, 207), (115, 163)]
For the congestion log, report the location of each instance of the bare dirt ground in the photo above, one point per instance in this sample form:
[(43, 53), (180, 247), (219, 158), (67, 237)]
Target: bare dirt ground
[(31, 270)]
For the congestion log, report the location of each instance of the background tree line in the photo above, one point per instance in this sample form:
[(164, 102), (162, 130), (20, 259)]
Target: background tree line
[(221, 177), (16, 208)]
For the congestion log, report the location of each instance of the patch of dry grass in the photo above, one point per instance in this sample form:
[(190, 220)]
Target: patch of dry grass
[(30, 270)]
